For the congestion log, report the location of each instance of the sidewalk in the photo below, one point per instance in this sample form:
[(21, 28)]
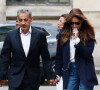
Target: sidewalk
[(54, 87)]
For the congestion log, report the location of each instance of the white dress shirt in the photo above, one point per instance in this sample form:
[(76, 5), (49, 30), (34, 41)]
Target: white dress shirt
[(72, 48), (25, 38)]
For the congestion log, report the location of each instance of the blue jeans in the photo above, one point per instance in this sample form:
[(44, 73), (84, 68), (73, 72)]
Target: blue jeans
[(74, 81)]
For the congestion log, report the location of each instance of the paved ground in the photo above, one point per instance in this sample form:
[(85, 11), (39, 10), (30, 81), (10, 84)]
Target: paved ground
[(54, 87)]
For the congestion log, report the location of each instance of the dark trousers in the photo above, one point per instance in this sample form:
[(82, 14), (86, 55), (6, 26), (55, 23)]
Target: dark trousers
[(25, 85)]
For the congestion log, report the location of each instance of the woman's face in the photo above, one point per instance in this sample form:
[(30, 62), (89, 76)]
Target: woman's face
[(75, 23), (61, 22)]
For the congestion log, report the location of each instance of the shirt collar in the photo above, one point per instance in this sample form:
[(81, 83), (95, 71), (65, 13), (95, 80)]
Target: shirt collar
[(30, 30)]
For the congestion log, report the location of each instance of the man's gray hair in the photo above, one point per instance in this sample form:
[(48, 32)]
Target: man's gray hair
[(24, 11)]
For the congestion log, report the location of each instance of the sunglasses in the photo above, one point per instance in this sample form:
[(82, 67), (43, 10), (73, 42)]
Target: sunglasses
[(76, 23)]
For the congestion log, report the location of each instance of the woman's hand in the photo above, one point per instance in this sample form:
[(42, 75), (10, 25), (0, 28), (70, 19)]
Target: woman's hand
[(75, 33)]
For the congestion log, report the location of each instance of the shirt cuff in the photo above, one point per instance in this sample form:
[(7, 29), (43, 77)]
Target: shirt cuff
[(58, 77), (76, 41)]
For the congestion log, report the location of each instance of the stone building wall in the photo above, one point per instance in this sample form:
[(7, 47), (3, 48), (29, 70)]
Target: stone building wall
[(91, 9), (2, 11)]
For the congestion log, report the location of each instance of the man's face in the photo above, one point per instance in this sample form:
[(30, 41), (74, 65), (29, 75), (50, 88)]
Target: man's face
[(24, 21)]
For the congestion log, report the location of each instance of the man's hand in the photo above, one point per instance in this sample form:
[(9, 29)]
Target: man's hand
[(53, 81), (3, 82)]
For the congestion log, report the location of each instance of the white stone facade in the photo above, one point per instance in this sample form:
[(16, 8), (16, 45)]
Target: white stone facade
[(91, 9), (2, 11)]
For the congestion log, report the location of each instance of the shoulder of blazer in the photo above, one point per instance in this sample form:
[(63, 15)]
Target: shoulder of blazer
[(13, 31)]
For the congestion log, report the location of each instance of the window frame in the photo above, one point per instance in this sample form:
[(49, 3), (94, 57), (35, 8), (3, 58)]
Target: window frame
[(47, 2)]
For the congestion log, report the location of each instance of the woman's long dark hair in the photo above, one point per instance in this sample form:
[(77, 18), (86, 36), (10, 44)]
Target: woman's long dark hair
[(85, 29)]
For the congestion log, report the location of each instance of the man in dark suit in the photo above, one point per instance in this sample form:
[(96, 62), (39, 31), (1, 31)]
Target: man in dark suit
[(20, 56)]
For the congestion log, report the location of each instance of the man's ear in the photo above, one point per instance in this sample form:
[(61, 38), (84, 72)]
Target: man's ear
[(31, 18)]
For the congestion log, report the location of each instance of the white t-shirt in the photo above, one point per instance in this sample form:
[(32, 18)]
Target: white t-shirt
[(72, 48)]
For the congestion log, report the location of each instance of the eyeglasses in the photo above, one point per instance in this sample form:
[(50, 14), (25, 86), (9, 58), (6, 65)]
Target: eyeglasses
[(76, 23)]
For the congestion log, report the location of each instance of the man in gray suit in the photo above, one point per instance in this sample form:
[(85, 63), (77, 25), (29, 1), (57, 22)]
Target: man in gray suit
[(20, 56)]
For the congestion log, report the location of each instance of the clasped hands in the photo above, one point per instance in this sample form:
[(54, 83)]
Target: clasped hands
[(53, 81)]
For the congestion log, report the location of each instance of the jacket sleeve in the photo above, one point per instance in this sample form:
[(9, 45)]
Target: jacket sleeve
[(85, 51), (5, 58), (59, 58), (47, 63)]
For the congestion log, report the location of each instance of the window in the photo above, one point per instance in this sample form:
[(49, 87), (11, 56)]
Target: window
[(40, 1), (4, 30), (58, 1)]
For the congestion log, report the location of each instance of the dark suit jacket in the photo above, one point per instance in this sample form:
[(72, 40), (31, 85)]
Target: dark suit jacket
[(17, 63), (83, 59)]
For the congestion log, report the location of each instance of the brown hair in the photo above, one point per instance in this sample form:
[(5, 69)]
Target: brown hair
[(64, 15), (85, 30)]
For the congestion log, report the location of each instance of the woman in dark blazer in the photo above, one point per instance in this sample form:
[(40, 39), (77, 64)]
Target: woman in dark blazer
[(74, 60), (59, 85)]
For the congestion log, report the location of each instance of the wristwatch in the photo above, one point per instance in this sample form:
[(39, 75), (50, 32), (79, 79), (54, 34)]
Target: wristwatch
[(58, 77)]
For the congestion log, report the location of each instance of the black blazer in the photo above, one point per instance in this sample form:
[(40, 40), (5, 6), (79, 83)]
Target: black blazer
[(17, 63)]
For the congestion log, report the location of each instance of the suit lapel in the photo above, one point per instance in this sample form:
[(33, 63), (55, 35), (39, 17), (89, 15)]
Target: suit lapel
[(19, 41), (33, 38)]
